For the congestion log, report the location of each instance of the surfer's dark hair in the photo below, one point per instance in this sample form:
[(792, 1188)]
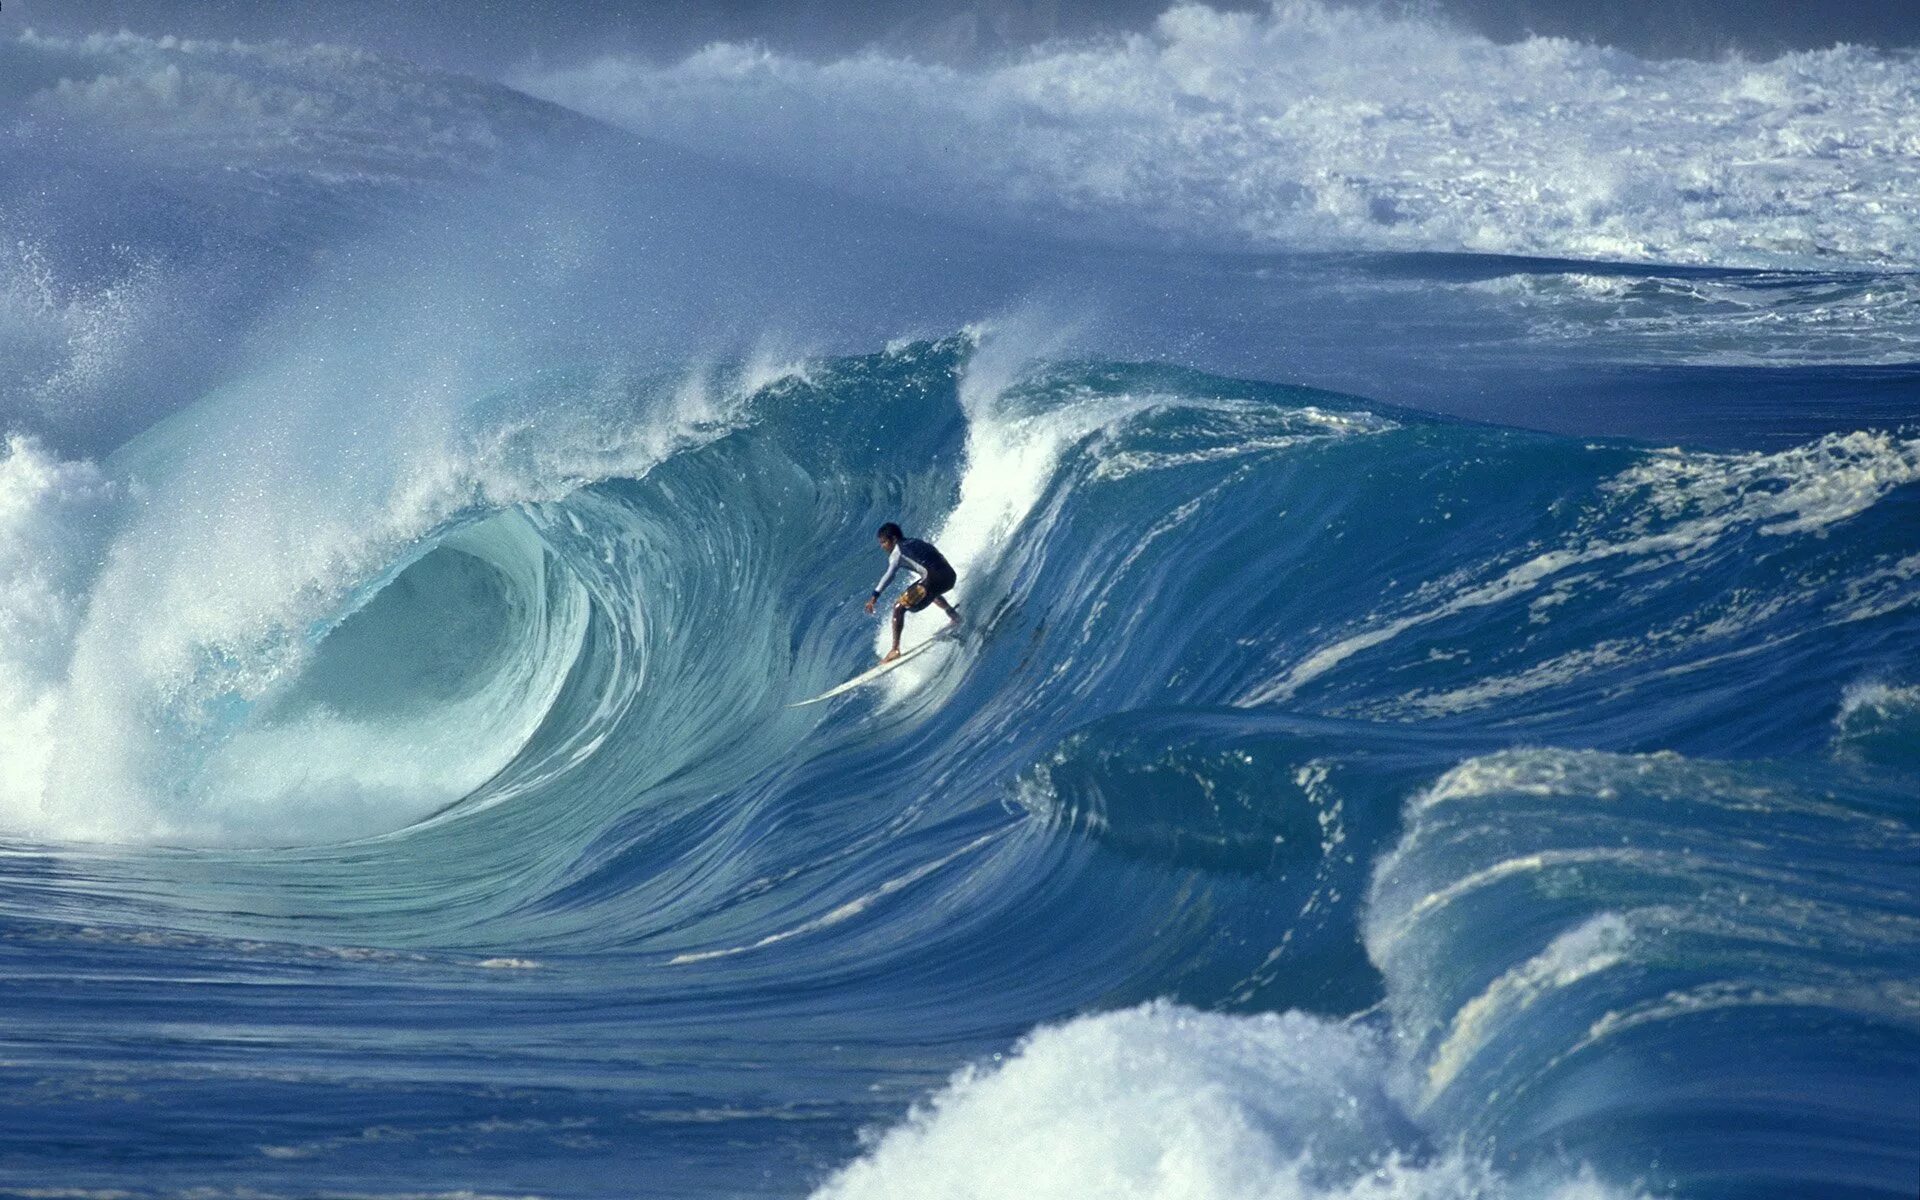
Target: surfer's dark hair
[(889, 530)]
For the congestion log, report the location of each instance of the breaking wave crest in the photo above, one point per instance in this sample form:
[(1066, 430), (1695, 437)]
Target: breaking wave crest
[(1310, 126)]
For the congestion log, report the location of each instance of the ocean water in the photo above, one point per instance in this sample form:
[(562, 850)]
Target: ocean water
[(1438, 525)]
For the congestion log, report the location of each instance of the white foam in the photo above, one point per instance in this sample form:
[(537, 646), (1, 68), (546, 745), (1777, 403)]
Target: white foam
[(1877, 699), (1314, 126), (1793, 491), (1878, 721), (1163, 1102)]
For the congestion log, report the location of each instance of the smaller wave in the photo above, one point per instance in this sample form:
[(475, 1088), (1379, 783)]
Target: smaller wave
[(1725, 319), (1667, 522), (1879, 722), (1163, 1102), (328, 114), (1580, 944), (1231, 789)]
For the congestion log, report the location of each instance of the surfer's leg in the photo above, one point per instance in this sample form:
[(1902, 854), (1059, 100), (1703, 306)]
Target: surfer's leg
[(953, 618), (899, 622), (913, 599)]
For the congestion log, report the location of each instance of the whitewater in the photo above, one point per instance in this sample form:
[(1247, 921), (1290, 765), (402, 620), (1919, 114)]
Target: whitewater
[(1438, 524)]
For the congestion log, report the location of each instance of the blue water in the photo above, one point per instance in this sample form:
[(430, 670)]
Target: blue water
[(1428, 723)]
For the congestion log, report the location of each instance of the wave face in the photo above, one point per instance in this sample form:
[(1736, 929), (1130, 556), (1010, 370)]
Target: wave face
[(401, 791)]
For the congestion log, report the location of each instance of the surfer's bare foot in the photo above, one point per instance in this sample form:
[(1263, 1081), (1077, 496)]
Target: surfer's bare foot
[(890, 655)]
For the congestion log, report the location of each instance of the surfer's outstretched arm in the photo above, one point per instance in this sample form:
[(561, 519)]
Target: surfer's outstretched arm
[(895, 560)]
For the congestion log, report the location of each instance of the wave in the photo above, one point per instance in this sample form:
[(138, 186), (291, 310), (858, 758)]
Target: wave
[(460, 577), (1314, 126), (1556, 930)]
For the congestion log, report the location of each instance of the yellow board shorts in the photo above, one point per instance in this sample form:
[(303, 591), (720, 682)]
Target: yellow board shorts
[(922, 594)]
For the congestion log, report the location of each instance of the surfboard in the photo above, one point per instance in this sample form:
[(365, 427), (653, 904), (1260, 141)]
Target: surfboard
[(872, 673)]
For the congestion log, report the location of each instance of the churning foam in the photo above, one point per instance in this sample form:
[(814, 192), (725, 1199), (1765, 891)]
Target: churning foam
[(1163, 1102), (1310, 126)]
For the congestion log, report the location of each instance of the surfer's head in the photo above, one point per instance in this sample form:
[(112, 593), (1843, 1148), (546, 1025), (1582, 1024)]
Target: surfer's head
[(889, 535)]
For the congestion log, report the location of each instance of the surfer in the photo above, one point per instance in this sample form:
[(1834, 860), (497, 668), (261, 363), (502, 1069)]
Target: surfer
[(935, 579)]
